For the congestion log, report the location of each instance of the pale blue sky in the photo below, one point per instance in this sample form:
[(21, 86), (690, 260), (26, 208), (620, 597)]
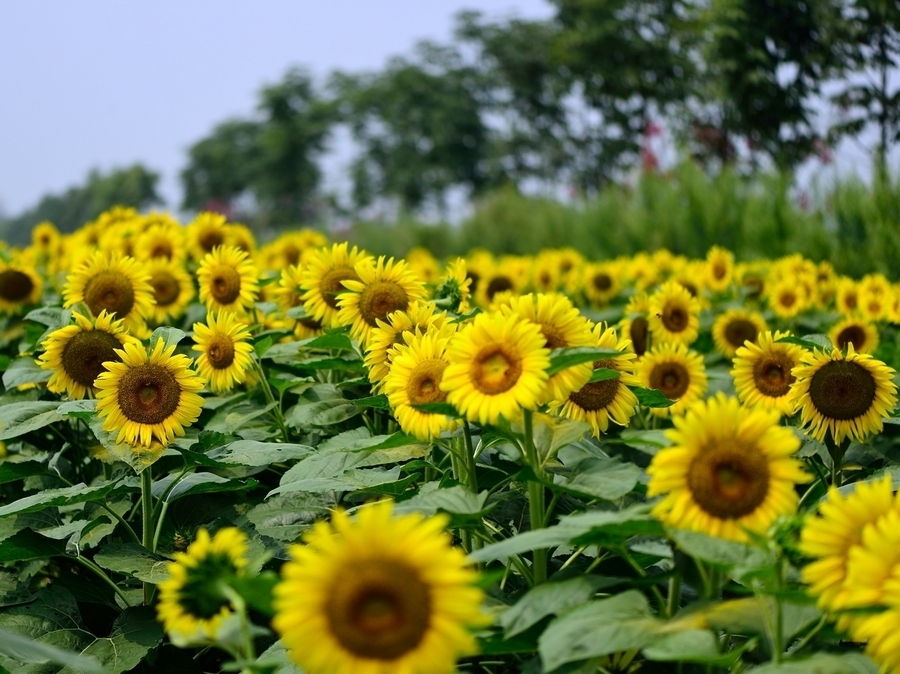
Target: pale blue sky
[(108, 83)]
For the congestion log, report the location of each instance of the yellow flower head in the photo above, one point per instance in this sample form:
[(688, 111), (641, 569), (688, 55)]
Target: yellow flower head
[(498, 366), (323, 277), (729, 469), (762, 372), (205, 233), (787, 298), (20, 286), (860, 333), (228, 280), (164, 239), (225, 351), (378, 594), (173, 289), (677, 373), (634, 326), (735, 327), (602, 281), (674, 314), (719, 269), (453, 288)]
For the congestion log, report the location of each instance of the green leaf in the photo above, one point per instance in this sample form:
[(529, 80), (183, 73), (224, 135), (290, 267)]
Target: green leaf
[(721, 552), (822, 663), (240, 417), (276, 660), (379, 402), (561, 359), (13, 591), (650, 397), (649, 442), (10, 472), (609, 479), (603, 374), (133, 560), (457, 500), (691, 646), (598, 628), (257, 591), (554, 597), (38, 651), (26, 545), (23, 417), (170, 336), (198, 483), (134, 634), (263, 345), (338, 341), (255, 453), (79, 409), (24, 371), (811, 342), (79, 493), (286, 516), (351, 480), (52, 317)]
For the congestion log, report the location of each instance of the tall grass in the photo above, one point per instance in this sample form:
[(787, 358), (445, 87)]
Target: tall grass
[(851, 223)]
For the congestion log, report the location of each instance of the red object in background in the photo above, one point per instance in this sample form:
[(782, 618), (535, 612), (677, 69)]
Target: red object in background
[(218, 206)]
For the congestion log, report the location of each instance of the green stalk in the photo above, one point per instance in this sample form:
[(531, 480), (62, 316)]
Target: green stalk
[(536, 505), (101, 574), (270, 398), (147, 521), (471, 475), (837, 457), (121, 521)]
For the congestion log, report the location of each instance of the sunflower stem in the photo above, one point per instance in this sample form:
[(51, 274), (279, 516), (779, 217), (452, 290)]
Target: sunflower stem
[(642, 572), (837, 458), (147, 520), (270, 398), (472, 477), (121, 521), (536, 507), (101, 574)]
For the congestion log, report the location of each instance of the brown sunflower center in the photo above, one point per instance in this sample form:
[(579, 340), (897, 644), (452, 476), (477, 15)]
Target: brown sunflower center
[(15, 285), (425, 382), (842, 390), (852, 334), (690, 287), (381, 610), (148, 394), (310, 323), (772, 374), (637, 332), (602, 282), (225, 284), (210, 238), (330, 285), (850, 300), (719, 270), (291, 254), (474, 277), (381, 298), (787, 298), (729, 482), (165, 288), (498, 284), (220, 352), (496, 369), (675, 318), (554, 336), (740, 330), (84, 354), (162, 249), (110, 290), (671, 379), (597, 395)]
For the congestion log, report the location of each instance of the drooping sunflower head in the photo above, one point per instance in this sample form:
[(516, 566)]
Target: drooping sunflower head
[(148, 395), (674, 315), (323, 280), (399, 327), (205, 233), (192, 604), (497, 367), (225, 351), (117, 284), (719, 269), (752, 278), (762, 372), (562, 326), (604, 400), (845, 395), (735, 327), (677, 373), (829, 536), (228, 280), (20, 286), (383, 287), (76, 353), (377, 594), (173, 289), (729, 469), (415, 376), (454, 287), (635, 326), (860, 333)]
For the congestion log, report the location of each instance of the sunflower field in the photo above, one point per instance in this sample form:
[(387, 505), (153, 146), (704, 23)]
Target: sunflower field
[(219, 455)]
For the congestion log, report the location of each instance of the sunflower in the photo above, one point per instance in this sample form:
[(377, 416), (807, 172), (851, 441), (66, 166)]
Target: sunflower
[(873, 566), (787, 298), (735, 327), (844, 395), (224, 346), (173, 289), (509, 274), (729, 470), (291, 247), (288, 294), (415, 379), (377, 595), (162, 240), (383, 287), (875, 297), (860, 333), (205, 233), (20, 286), (838, 528), (762, 372), (607, 400), (45, 238), (148, 395), (322, 280), (453, 288), (675, 372), (719, 269), (228, 280), (498, 365), (192, 606), (562, 326), (881, 632), (847, 296), (479, 264), (76, 353), (634, 325), (423, 264), (601, 282), (396, 330), (642, 271), (240, 236), (545, 273), (674, 314), (114, 283)]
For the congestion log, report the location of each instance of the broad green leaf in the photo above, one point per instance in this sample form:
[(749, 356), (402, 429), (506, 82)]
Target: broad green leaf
[(690, 646), (197, 483), (550, 434), (821, 663), (261, 346), (351, 480), (561, 359), (27, 544), (554, 597), (38, 651), (133, 560), (609, 479), (238, 418), (755, 615), (10, 472), (649, 442), (254, 453), (257, 590), (23, 371), (277, 658), (78, 409), (379, 402), (52, 317), (134, 634), (720, 551), (12, 590), (817, 341), (648, 397), (23, 417), (456, 500), (170, 336), (285, 516), (79, 493), (335, 340), (603, 374), (54, 608)]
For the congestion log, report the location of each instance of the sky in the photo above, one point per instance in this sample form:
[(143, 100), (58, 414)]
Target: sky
[(104, 84)]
